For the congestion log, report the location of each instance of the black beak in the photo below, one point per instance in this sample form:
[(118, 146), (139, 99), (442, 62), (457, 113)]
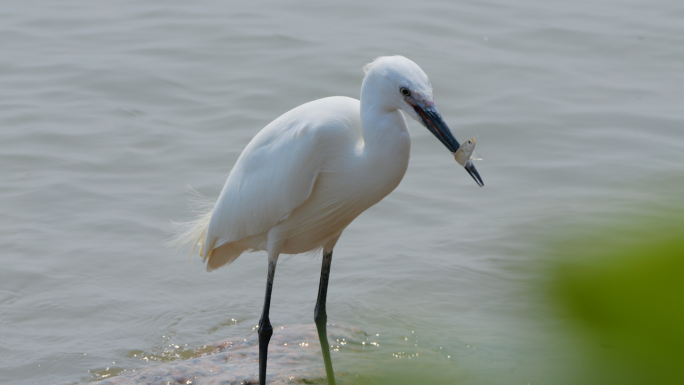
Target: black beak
[(434, 122), (436, 125), (473, 172)]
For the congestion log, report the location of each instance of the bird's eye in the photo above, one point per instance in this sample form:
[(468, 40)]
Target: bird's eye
[(404, 91)]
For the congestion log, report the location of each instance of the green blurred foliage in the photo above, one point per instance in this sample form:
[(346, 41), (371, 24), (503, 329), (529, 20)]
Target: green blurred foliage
[(624, 287)]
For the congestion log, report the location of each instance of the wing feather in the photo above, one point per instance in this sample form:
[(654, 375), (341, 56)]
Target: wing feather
[(274, 175)]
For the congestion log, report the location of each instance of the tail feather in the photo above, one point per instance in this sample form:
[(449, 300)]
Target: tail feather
[(223, 255), (191, 234)]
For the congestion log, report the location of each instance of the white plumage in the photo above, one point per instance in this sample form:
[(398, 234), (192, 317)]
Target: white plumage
[(291, 185), (304, 177)]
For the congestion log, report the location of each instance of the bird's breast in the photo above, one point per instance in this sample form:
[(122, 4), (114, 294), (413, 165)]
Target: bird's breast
[(348, 186)]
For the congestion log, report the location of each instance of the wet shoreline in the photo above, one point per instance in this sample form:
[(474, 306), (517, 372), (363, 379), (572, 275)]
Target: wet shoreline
[(294, 357)]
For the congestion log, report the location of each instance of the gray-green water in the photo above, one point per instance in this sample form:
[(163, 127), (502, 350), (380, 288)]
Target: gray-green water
[(108, 109)]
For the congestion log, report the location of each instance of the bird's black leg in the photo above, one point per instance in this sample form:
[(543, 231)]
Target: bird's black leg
[(320, 317), (265, 328)]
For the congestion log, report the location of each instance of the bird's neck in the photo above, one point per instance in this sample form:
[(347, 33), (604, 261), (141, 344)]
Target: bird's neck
[(381, 121), (387, 144)]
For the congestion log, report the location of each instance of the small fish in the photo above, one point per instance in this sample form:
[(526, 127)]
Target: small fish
[(465, 152)]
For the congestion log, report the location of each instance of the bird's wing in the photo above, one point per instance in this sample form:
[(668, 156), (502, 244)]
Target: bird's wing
[(274, 175)]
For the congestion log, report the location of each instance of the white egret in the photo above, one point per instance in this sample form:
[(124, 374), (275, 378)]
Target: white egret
[(305, 177)]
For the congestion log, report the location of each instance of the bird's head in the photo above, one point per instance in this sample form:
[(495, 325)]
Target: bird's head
[(405, 86)]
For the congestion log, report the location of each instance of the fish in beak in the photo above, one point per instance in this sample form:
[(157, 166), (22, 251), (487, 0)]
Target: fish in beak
[(433, 121)]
